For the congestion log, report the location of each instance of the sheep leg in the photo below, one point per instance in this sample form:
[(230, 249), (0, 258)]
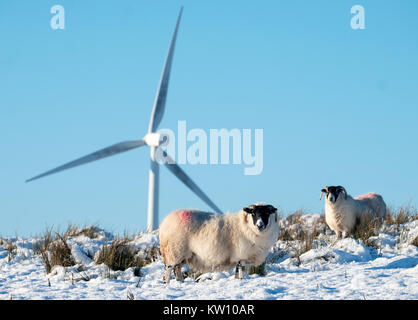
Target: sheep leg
[(239, 271), (177, 272), (167, 274)]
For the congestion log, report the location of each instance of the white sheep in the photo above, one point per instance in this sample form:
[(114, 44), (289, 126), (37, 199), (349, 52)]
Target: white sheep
[(212, 242), (343, 212)]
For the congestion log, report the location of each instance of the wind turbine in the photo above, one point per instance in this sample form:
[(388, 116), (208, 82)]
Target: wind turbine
[(151, 139)]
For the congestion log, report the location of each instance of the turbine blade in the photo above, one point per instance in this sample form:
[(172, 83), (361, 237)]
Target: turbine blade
[(179, 173), (161, 96), (103, 153)]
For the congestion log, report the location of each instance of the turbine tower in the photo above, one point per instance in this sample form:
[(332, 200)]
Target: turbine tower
[(151, 139)]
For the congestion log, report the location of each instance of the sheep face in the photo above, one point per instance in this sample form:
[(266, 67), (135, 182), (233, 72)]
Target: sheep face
[(334, 193), (261, 216)]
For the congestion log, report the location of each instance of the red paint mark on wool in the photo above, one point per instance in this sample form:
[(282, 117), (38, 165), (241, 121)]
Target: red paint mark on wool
[(366, 196), (185, 215)]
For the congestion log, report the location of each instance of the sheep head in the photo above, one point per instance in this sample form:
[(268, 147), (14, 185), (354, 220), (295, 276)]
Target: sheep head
[(260, 214), (334, 192)]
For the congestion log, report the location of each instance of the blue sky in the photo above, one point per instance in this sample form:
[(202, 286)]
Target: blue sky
[(337, 105)]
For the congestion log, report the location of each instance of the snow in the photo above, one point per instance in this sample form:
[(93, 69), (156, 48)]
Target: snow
[(332, 269)]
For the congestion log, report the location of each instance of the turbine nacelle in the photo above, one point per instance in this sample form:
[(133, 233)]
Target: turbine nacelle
[(155, 139)]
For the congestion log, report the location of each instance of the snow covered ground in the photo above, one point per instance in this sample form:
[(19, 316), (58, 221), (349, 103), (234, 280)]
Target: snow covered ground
[(333, 269)]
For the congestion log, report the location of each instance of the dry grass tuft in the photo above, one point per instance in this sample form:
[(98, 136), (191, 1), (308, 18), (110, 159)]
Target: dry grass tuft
[(402, 215), (296, 229), (119, 256), (192, 274), (415, 242), (260, 270), (73, 230), (300, 236), (11, 248), (366, 228), (61, 252), (152, 254), (42, 249), (54, 250)]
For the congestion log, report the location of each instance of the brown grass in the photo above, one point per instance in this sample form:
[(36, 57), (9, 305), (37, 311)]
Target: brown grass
[(152, 254), (54, 250), (260, 270), (61, 252), (119, 256), (11, 249), (319, 227), (301, 238), (293, 231), (192, 274), (296, 229), (368, 227), (73, 230), (284, 235), (302, 247), (41, 248), (415, 242), (402, 215)]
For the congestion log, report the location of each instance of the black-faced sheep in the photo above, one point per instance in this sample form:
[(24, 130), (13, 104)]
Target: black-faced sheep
[(343, 212), (213, 242)]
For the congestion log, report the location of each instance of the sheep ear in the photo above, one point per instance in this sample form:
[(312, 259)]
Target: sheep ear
[(322, 192), (343, 190), (248, 210), (272, 209)]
